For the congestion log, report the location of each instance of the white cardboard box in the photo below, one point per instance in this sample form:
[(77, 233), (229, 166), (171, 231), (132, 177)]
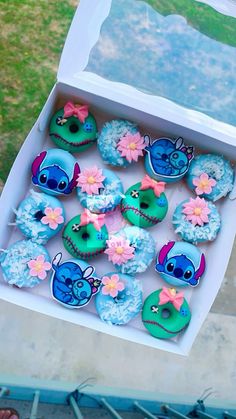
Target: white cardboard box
[(154, 115)]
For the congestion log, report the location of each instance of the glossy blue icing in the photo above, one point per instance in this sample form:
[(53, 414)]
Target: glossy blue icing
[(73, 282), (196, 234), (144, 253), (167, 160), (180, 264), (108, 138), (30, 212), (14, 263), (123, 308), (109, 196), (217, 168)]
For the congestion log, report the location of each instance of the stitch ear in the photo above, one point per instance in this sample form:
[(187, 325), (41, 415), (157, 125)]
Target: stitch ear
[(56, 261), (179, 143), (88, 272), (164, 251), (201, 268), (37, 162), (73, 181)]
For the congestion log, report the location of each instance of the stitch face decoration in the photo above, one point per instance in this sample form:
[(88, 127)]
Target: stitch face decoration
[(145, 203), (83, 238), (73, 283), (167, 160), (181, 264), (55, 172)]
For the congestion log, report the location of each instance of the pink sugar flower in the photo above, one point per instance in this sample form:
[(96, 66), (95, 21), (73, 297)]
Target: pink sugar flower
[(53, 217), (38, 267), (203, 184), (90, 180), (96, 219), (196, 211), (112, 285), (119, 250), (131, 146)]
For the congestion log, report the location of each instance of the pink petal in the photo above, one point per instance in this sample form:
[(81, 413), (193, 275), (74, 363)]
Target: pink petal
[(31, 263), (113, 293), (48, 211), (115, 278), (47, 266), (42, 275), (40, 258), (196, 181), (204, 218), (53, 225), (120, 286), (57, 211), (207, 189), (204, 177), (45, 220), (106, 290), (105, 280), (199, 191), (212, 182), (199, 221), (60, 219), (94, 188)]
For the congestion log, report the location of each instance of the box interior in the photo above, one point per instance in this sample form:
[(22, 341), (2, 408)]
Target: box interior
[(39, 298)]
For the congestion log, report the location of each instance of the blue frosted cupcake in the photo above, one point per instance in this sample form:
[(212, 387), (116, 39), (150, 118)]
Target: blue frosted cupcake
[(40, 217), (99, 190), (196, 220), (131, 250), (120, 143), (119, 299), (210, 176), (25, 264)]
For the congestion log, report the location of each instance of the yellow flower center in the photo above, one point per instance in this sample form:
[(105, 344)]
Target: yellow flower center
[(112, 285), (91, 180), (119, 250), (204, 183), (132, 146), (197, 211), (38, 266)]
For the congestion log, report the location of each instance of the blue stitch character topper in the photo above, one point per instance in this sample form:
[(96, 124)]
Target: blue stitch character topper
[(74, 282), (181, 264), (167, 160), (55, 172)]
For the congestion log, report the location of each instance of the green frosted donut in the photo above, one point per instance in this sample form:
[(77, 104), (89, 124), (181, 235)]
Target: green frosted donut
[(70, 133), (164, 321), (142, 207), (84, 241)]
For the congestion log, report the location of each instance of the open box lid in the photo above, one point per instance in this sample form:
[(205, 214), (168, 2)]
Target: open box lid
[(175, 62)]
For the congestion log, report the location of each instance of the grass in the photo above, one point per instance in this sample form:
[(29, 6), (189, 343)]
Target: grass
[(33, 35)]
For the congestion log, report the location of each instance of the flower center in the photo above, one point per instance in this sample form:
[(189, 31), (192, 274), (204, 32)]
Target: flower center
[(112, 285), (204, 183), (197, 211), (119, 250), (38, 266), (91, 180), (132, 146)]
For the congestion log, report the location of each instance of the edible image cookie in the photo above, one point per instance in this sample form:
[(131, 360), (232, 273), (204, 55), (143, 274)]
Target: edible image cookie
[(55, 172)]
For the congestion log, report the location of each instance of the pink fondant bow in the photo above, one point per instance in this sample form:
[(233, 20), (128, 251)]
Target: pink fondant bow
[(169, 295), (148, 183), (96, 219), (79, 111)]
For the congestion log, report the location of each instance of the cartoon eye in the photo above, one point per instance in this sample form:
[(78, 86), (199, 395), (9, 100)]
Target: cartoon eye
[(184, 312), (43, 177), (79, 284), (164, 156), (76, 227), (170, 267), (188, 274), (161, 202), (68, 282), (60, 120), (134, 194), (88, 127), (62, 185), (154, 309), (175, 156)]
